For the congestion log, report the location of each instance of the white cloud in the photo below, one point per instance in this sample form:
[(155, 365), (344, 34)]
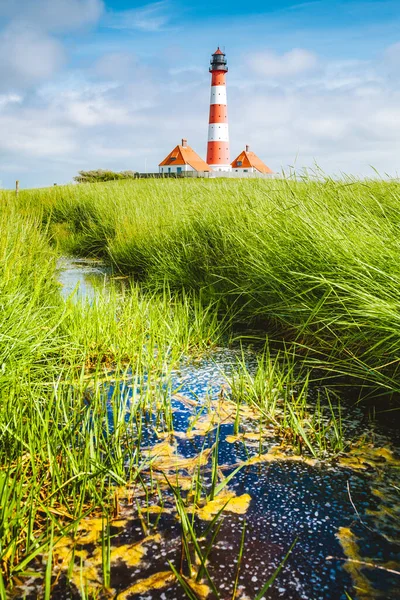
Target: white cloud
[(97, 111), (295, 62), (53, 14), (343, 129), (392, 54), (346, 115), (6, 99), (30, 134), (350, 75), (150, 18), (116, 66), (29, 51), (27, 56)]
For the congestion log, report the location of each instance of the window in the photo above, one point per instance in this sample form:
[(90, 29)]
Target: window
[(239, 163)]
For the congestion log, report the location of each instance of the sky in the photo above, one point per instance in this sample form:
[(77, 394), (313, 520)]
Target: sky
[(87, 84)]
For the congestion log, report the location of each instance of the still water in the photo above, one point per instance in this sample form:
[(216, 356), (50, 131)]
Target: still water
[(343, 514)]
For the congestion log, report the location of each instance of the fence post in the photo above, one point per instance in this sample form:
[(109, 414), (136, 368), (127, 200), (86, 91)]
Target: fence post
[(16, 187)]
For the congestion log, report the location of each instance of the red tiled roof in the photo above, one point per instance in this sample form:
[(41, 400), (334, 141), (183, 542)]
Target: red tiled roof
[(248, 160), (185, 155)]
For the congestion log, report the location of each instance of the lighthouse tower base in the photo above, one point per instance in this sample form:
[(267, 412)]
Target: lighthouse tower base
[(224, 168)]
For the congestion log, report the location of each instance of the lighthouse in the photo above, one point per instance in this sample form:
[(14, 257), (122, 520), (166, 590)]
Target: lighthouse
[(218, 136)]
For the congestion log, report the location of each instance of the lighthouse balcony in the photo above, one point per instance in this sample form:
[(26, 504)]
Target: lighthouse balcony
[(218, 67)]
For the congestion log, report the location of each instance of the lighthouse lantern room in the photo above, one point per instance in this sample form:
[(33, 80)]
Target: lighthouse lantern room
[(218, 134)]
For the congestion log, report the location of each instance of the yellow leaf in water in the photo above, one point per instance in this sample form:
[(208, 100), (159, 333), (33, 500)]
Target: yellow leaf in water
[(254, 438), (86, 577), (227, 410), (184, 482), (378, 493), (348, 541), (203, 425), (156, 510), (165, 458), (162, 435), (64, 550), (90, 530), (276, 454), (161, 450), (186, 401), (201, 590), (235, 504), (118, 523), (130, 554), (154, 582), (387, 455), (181, 435), (129, 492), (364, 456), (353, 463)]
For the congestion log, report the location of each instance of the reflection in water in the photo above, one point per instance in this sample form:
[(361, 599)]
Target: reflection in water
[(82, 276)]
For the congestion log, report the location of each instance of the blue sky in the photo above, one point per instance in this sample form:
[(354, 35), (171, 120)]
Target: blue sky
[(116, 84)]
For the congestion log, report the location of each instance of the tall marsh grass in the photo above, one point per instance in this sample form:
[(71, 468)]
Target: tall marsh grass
[(315, 262), (61, 450)]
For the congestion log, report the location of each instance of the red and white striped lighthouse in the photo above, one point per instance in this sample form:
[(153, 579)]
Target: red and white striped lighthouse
[(218, 135)]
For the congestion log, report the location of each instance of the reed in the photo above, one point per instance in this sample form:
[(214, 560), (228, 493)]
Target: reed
[(313, 261), (77, 380), (279, 389)]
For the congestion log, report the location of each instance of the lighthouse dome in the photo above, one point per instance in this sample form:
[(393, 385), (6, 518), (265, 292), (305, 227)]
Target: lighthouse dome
[(218, 61)]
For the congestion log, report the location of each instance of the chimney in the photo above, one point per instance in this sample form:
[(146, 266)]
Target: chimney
[(247, 148), (184, 143)]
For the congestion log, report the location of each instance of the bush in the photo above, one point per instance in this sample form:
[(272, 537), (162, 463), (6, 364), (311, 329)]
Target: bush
[(102, 175)]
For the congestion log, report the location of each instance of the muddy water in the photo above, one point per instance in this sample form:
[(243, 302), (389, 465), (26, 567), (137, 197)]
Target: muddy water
[(344, 514)]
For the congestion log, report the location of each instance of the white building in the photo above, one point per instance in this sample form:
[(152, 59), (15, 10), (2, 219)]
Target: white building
[(183, 159), (248, 162)]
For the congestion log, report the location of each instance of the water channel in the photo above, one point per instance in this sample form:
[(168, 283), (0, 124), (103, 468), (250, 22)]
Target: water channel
[(344, 515)]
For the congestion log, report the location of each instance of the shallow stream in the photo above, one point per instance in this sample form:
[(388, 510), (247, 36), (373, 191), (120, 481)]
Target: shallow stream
[(343, 514)]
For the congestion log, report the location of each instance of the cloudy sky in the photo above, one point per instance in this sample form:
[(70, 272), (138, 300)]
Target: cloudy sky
[(117, 83)]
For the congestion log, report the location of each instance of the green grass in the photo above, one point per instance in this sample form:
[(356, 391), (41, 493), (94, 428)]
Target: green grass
[(314, 262), (279, 390), (56, 456)]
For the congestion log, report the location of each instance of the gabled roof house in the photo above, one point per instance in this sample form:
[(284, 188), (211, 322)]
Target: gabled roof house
[(183, 159), (248, 162)]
